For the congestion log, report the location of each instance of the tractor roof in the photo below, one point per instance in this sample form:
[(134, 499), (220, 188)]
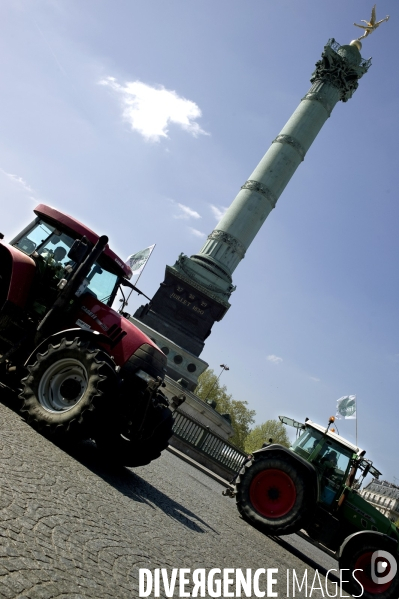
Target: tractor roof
[(340, 440), (77, 229)]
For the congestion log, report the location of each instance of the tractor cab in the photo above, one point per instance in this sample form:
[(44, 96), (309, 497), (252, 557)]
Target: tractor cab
[(330, 454), (337, 461), (58, 244)]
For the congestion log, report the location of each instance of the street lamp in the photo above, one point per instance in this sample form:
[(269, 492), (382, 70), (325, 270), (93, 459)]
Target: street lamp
[(223, 367)]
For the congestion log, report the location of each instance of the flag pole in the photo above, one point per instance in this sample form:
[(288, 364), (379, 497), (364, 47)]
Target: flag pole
[(356, 419)]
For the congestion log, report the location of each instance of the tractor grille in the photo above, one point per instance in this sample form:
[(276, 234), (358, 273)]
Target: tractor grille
[(116, 334)]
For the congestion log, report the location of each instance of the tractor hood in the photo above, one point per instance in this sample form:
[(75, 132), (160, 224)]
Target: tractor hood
[(124, 337)]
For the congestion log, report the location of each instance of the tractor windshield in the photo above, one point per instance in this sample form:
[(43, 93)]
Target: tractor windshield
[(102, 284), (56, 248), (53, 246), (30, 240), (49, 243), (306, 442), (330, 458), (320, 449)]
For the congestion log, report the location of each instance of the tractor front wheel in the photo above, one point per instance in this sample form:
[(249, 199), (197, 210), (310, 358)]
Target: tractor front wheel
[(66, 388), (271, 496), (373, 570)]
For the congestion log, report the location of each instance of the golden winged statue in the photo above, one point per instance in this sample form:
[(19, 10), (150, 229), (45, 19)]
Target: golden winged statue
[(371, 25)]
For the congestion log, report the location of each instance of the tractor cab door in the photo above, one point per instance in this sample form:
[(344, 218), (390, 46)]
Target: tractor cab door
[(332, 462)]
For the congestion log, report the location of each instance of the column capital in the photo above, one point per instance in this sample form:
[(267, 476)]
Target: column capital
[(342, 67)]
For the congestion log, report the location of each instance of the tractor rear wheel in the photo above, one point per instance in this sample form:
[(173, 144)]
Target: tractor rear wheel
[(119, 449), (376, 574), (66, 389), (271, 495)]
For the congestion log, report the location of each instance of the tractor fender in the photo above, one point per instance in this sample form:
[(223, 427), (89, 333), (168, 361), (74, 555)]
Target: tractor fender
[(17, 271), (362, 537), (275, 450), (70, 334)]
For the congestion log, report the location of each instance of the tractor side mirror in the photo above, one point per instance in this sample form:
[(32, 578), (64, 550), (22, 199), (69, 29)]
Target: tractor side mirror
[(366, 470), (79, 250)]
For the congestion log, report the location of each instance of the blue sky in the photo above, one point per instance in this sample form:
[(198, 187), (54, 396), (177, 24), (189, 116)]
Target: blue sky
[(143, 118)]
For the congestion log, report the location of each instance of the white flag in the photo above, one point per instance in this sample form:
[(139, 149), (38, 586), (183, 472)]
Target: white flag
[(138, 260), (346, 407)]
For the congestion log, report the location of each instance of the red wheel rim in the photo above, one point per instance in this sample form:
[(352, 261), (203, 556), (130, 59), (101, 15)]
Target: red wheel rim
[(272, 493), (363, 563)]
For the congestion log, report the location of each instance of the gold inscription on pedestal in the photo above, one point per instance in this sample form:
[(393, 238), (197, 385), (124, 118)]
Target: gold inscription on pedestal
[(181, 299)]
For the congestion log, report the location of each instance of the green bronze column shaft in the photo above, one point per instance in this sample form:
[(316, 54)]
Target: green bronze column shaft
[(196, 291), (335, 78)]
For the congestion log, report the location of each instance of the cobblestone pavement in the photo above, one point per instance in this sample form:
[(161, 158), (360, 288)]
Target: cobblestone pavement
[(71, 528)]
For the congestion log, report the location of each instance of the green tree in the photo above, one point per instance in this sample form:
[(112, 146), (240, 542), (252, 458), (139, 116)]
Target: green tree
[(209, 389), (271, 429)]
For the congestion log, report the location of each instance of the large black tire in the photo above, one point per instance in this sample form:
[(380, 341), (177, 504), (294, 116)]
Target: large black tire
[(120, 450), (66, 390), (271, 495), (358, 556), (5, 321)]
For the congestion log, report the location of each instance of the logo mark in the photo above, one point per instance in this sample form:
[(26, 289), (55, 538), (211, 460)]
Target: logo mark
[(383, 567)]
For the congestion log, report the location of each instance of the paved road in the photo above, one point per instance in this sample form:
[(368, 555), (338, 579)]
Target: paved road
[(71, 528)]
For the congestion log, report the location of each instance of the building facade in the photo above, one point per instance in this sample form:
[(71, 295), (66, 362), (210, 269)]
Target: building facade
[(384, 496)]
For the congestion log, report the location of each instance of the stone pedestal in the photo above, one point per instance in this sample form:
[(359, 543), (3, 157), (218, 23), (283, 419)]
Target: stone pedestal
[(182, 366), (182, 310)]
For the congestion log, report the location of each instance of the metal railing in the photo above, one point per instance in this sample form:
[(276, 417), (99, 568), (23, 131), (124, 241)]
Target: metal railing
[(364, 63), (210, 444)]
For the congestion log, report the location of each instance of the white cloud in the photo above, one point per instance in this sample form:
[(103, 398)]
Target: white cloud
[(150, 110), (313, 378), (20, 182), (186, 212), (218, 212), (274, 359), (197, 233)]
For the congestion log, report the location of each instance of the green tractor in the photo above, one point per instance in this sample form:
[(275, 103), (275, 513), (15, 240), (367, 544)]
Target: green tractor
[(312, 489)]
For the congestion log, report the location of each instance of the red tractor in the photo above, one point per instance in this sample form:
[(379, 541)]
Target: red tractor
[(81, 369)]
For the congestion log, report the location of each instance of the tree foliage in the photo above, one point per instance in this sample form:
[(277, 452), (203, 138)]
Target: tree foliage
[(263, 432), (210, 389)]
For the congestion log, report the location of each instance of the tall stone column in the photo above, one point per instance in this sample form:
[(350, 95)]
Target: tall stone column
[(196, 290)]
